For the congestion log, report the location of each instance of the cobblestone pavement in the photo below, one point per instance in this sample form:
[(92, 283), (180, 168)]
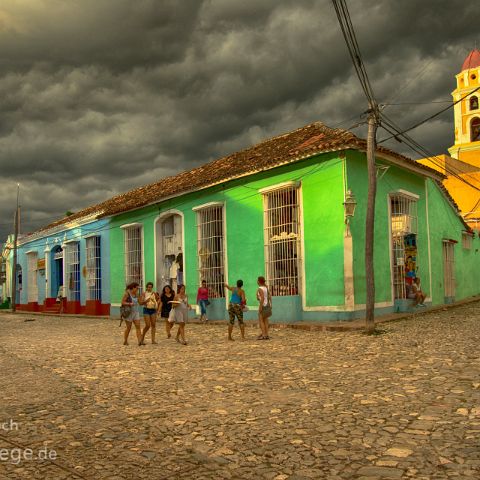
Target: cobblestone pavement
[(404, 404)]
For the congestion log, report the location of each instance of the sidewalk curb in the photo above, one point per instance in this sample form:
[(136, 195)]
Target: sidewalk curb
[(354, 325)]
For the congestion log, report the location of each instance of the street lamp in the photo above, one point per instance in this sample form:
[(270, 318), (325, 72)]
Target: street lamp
[(349, 206)]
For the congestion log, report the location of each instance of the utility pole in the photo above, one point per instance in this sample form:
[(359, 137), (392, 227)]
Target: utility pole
[(370, 220), (14, 267), (348, 31)]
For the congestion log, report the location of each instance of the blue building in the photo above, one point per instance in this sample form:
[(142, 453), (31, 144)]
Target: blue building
[(68, 260)]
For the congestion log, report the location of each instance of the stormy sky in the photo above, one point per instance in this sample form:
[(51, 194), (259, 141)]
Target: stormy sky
[(100, 96)]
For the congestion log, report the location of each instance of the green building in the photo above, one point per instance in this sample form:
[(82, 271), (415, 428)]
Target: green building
[(278, 209)]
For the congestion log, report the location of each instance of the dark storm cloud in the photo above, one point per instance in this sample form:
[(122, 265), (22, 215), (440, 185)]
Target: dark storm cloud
[(99, 96)]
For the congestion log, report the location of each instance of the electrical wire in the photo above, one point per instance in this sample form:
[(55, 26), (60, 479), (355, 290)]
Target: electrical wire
[(413, 79), (348, 31), (431, 117), (386, 104), (390, 126)]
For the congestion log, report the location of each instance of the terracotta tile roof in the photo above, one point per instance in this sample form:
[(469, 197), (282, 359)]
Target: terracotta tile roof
[(287, 148), (304, 142)]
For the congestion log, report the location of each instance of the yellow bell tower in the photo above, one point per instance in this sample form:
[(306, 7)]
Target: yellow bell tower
[(467, 112), (462, 167)]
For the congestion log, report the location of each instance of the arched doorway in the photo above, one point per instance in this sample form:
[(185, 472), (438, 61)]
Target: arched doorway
[(57, 270), (169, 250)]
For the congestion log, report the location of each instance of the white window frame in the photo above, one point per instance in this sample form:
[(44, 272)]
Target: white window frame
[(134, 265), (403, 221), (93, 254), (283, 241), (211, 247), (32, 292), (72, 271)]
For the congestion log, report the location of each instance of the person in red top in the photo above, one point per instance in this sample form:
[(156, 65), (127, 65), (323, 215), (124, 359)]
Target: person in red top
[(202, 301)]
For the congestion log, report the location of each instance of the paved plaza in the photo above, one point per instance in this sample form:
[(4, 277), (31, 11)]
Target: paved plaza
[(304, 405)]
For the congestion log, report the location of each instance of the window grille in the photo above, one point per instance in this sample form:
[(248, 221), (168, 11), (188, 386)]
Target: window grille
[(73, 271), (94, 269), (211, 258), (467, 241), (282, 240), (403, 212), (133, 255), (32, 277)]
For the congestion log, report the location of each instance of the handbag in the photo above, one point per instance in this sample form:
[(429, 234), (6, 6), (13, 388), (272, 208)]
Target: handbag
[(125, 311), (266, 311)]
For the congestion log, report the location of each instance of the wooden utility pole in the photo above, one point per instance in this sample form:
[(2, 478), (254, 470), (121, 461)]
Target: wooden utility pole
[(370, 221), (14, 266)]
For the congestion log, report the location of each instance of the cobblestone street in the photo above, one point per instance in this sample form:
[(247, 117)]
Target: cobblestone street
[(335, 405)]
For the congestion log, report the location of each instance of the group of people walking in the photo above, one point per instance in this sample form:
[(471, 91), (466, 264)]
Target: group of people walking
[(172, 307)]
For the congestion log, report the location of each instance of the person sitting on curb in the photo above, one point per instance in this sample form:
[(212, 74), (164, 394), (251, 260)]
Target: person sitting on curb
[(417, 294)]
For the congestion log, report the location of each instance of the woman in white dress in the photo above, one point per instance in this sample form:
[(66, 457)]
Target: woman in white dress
[(179, 313)]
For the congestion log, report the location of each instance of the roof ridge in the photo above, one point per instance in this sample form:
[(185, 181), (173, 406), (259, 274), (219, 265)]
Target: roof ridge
[(311, 139)]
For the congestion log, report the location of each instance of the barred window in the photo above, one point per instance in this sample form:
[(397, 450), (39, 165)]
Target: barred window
[(73, 271), (467, 240), (211, 258), (133, 255), (94, 268), (404, 215), (403, 211), (32, 277), (282, 240)]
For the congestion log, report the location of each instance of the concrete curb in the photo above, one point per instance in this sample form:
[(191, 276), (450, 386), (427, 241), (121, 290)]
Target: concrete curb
[(354, 325)]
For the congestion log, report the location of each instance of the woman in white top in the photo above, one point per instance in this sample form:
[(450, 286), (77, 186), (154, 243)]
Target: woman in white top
[(264, 308), (150, 301)]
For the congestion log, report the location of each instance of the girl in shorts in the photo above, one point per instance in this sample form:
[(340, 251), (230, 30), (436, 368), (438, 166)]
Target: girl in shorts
[(149, 299), (130, 299)]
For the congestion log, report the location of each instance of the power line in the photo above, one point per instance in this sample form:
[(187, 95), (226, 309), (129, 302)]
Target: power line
[(88, 231), (386, 104), (353, 49), (416, 77), (431, 117), (421, 150)]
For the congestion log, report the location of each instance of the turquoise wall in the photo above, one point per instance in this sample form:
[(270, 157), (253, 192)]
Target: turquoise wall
[(322, 190), (394, 179), (444, 224), (321, 181)]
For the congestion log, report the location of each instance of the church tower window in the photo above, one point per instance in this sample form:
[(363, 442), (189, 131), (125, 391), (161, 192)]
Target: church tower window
[(474, 103), (475, 130)]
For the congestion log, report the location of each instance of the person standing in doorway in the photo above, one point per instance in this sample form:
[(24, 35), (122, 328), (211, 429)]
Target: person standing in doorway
[(264, 309), (149, 299), (202, 301), (235, 308), (165, 307), (181, 307), (130, 299)]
